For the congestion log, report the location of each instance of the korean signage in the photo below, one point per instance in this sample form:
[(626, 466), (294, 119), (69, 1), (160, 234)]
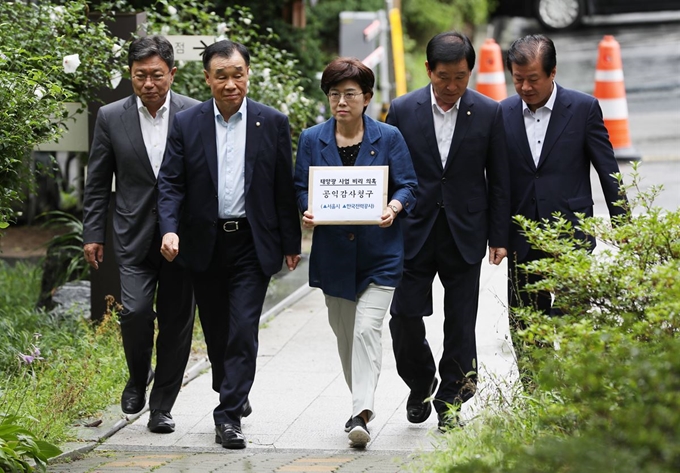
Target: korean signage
[(190, 47), (354, 195)]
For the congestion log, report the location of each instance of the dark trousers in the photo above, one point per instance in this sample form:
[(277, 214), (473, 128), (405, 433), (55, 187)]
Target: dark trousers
[(518, 280), (230, 295), (413, 301), (174, 311)]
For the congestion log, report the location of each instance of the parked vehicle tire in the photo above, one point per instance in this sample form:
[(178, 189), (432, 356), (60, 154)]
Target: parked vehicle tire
[(559, 14)]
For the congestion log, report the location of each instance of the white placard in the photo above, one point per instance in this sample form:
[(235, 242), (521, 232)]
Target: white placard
[(354, 195)]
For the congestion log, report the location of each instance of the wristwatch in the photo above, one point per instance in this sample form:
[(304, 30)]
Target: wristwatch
[(394, 208)]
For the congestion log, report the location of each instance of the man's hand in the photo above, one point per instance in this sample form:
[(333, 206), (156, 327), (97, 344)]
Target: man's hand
[(496, 255), (94, 254), (292, 261), (170, 246)]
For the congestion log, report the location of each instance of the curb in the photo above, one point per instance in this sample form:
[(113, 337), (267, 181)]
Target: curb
[(190, 374)]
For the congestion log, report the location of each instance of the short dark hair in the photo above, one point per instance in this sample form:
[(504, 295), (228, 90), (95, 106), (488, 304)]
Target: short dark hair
[(450, 47), (529, 48), (226, 49), (149, 46), (344, 68)]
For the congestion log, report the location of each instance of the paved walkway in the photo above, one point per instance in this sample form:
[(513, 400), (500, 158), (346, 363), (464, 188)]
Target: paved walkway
[(300, 402)]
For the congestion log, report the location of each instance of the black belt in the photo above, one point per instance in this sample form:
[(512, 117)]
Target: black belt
[(230, 225)]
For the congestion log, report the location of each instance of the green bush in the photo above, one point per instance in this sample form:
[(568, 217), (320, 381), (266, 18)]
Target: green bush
[(603, 380), (35, 82)]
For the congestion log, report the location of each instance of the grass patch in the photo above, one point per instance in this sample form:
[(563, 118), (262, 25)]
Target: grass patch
[(54, 371)]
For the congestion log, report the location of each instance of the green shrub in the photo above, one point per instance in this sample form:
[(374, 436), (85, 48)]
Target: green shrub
[(34, 82), (603, 380)]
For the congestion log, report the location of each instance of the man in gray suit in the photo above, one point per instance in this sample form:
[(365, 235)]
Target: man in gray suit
[(129, 141)]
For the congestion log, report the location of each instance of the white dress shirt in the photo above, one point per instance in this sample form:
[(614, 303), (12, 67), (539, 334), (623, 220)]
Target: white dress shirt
[(536, 124), (444, 125), (231, 157), (154, 131)]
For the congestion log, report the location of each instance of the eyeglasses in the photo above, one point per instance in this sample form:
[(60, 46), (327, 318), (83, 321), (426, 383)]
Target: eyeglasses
[(142, 78), (349, 96)]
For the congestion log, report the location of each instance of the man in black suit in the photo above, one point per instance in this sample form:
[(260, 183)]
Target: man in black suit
[(553, 134), (129, 141), (457, 143), (226, 196)]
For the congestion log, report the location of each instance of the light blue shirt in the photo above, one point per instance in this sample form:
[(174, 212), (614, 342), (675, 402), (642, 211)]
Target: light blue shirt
[(231, 151)]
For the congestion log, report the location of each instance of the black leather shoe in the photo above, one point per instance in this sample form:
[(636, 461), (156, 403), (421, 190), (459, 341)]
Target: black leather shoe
[(160, 422), (230, 436), (448, 420), (417, 409), (133, 400), (247, 409)]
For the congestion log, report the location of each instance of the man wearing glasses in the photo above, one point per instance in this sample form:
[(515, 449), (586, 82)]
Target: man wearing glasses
[(129, 141)]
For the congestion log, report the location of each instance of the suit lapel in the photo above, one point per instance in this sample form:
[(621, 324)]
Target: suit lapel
[(517, 132), (175, 106), (130, 119), (463, 122), (208, 137), (329, 150), (423, 114), (559, 117), (254, 129)]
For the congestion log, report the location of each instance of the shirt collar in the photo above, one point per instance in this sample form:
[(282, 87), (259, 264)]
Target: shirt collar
[(550, 104), (435, 105), (237, 116), (161, 111)]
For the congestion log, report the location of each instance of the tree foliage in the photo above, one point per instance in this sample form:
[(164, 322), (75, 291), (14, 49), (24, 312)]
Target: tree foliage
[(34, 82), (275, 78), (425, 18)]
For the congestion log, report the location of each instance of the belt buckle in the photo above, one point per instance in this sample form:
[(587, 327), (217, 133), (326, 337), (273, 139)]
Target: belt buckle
[(230, 226)]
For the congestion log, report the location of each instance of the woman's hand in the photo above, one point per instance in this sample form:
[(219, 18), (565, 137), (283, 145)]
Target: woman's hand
[(390, 213), (308, 220)]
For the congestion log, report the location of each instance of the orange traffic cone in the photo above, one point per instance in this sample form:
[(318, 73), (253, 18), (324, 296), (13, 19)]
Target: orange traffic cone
[(611, 93), (491, 77)]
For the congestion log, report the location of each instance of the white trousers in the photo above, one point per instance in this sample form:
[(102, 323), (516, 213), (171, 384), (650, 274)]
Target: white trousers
[(358, 330)]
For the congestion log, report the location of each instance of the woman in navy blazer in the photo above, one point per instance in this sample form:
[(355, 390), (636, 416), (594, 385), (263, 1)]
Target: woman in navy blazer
[(356, 266)]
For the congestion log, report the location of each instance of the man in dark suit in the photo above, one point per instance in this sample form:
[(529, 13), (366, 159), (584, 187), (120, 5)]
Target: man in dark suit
[(226, 196), (129, 141), (456, 140), (553, 135)]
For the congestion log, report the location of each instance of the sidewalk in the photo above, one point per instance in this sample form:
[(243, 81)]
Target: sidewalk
[(300, 401)]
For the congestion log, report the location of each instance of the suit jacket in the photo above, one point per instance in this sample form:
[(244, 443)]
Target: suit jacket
[(118, 148), (473, 187), (346, 258), (187, 185), (575, 138)]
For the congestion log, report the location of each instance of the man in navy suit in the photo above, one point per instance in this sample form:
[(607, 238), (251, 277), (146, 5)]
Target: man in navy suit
[(226, 189), (553, 134), (457, 143)]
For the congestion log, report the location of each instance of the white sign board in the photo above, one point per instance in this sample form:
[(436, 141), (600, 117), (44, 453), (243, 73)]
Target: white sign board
[(190, 47), (355, 195)]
